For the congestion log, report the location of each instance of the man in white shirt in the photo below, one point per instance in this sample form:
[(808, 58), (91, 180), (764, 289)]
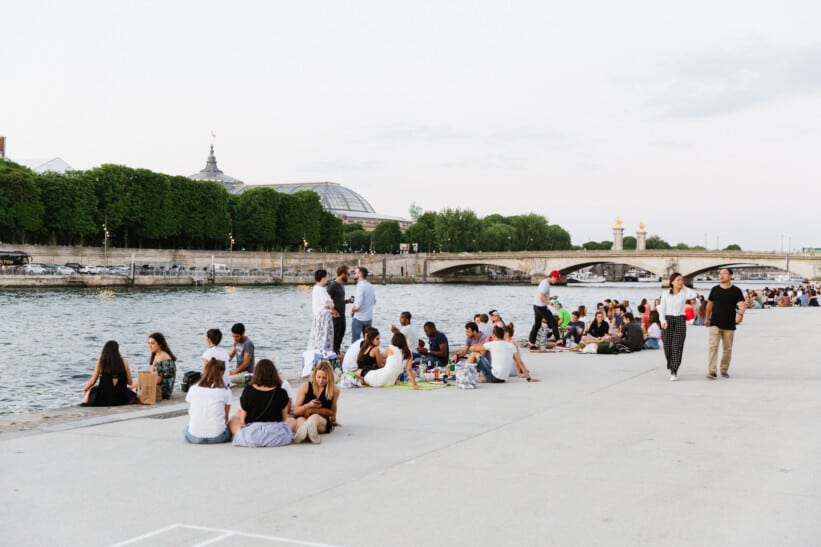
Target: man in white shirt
[(501, 353), (213, 338), (364, 301), (540, 309), (405, 327)]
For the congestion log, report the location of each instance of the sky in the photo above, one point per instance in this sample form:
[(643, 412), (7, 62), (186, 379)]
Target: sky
[(701, 119)]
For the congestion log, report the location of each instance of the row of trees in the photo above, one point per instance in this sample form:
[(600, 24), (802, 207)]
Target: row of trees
[(128, 207), (140, 208)]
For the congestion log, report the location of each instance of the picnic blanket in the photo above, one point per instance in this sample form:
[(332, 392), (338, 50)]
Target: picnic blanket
[(423, 386)]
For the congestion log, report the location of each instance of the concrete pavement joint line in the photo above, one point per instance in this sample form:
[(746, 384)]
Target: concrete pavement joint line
[(214, 540), (228, 533), (113, 418), (146, 536)]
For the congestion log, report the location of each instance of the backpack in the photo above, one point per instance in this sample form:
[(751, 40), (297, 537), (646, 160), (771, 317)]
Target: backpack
[(189, 379), (606, 347)]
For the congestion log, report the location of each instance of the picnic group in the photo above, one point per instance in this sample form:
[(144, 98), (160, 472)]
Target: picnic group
[(273, 413)]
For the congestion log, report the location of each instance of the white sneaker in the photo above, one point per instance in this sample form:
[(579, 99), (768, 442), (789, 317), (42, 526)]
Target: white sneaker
[(673, 377), (301, 433), (313, 433)]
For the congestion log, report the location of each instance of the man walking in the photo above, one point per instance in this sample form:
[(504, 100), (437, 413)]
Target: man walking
[(336, 290), (364, 301), (540, 303), (722, 318)]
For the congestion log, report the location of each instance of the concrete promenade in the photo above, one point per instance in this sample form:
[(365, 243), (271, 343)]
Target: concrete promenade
[(605, 451)]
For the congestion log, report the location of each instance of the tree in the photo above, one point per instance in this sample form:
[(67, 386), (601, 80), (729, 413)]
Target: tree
[(387, 236), (456, 229), (732, 247), (331, 235), (558, 238), (629, 242), (255, 224), (423, 232), (70, 205), (21, 211), (655, 242)]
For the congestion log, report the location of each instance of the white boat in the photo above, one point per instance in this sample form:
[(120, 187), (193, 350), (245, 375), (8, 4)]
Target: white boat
[(633, 276), (585, 276)]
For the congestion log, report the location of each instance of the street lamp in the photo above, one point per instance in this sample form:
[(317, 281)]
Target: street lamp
[(106, 235), (231, 249)]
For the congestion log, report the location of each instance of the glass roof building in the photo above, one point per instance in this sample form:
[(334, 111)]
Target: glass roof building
[(348, 205)]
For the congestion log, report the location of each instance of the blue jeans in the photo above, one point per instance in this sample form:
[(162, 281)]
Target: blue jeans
[(651, 343), (484, 367), (224, 437), (357, 327)]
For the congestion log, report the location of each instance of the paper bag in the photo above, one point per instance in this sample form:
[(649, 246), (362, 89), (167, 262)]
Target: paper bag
[(148, 391)]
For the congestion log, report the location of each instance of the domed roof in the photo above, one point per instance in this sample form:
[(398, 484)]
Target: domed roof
[(334, 197), (212, 172)]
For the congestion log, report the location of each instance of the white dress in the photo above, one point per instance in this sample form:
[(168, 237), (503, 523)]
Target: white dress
[(388, 374), (322, 327)]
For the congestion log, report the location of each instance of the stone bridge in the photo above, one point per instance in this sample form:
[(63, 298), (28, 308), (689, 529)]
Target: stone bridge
[(690, 263)]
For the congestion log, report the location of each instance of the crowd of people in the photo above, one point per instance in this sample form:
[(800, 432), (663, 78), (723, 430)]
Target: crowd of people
[(271, 414)]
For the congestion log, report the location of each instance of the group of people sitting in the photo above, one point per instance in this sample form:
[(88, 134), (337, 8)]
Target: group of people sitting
[(784, 297)]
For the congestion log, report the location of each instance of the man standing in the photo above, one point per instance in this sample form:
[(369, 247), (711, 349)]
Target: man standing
[(540, 303), (244, 351), (721, 318), (364, 301), (336, 290)]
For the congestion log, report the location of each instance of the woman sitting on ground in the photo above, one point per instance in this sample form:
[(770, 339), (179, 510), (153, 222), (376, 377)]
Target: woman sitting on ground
[(263, 417), (316, 404), (115, 380), (209, 403), (163, 363), (598, 329), (397, 356), (369, 357), (653, 331), (521, 368)]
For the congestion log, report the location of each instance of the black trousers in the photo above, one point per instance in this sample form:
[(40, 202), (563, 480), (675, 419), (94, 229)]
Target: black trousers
[(339, 332), (541, 312)]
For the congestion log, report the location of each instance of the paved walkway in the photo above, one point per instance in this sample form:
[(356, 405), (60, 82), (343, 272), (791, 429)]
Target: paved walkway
[(605, 451)]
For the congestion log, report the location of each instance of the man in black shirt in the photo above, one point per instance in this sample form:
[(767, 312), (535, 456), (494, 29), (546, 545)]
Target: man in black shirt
[(336, 290), (721, 318)]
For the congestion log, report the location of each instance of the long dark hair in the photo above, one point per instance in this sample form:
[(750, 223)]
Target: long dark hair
[(266, 374), (111, 362), (401, 342), (160, 340), (673, 277), (368, 344)]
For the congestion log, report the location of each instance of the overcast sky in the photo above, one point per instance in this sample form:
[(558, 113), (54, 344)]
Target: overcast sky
[(701, 119)]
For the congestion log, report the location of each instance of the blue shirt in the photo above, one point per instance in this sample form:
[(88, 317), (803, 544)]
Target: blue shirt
[(364, 300)]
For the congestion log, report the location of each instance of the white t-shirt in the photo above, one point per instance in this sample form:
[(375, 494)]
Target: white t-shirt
[(502, 353), (206, 410), (220, 354), (654, 331), (544, 288), (411, 336), (349, 361)]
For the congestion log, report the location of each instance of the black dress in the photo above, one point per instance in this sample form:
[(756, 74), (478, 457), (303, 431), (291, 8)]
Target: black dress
[(109, 394)]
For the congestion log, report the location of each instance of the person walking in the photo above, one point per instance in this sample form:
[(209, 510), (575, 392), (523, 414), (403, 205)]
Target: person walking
[(721, 318), (364, 301), (673, 323), (540, 311)]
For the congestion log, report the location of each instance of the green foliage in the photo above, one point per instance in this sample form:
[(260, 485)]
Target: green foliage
[(332, 233), (629, 242), (423, 232), (387, 236), (456, 229), (655, 242), (255, 224), (21, 210), (732, 247), (597, 245), (71, 204)]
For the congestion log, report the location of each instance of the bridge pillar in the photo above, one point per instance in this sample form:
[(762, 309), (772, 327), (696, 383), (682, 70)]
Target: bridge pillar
[(618, 238), (641, 240)]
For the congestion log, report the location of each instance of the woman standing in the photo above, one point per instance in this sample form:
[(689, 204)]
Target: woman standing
[(397, 356), (316, 404), (673, 323), (115, 379), (163, 363), (209, 403), (263, 417), (322, 328)]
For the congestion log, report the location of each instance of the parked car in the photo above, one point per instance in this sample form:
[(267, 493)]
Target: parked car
[(74, 266), (34, 268), (61, 270)]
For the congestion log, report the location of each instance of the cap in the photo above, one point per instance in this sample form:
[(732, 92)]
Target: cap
[(556, 274)]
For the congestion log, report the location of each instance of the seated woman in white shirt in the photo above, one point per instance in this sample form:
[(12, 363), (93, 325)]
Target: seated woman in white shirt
[(397, 356), (209, 403), (653, 331)]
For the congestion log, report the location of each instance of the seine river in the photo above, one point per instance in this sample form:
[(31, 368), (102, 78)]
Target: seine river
[(51, 338)]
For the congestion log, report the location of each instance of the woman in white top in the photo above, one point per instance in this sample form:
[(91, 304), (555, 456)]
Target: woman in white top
[(653, 331), (322, 328), (209, 402), (673, 324), (397, 356)]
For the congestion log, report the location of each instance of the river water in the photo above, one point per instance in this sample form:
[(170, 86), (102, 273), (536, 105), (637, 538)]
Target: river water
[(51, 338)]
